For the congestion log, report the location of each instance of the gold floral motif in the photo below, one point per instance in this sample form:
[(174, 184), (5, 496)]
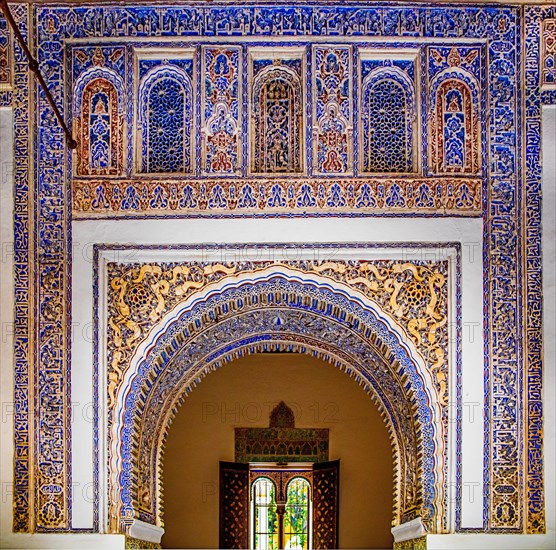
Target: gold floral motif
[(137, 544), (412, 544), (413, 293), (417, 297)]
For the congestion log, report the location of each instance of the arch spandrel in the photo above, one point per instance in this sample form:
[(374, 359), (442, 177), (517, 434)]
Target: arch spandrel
[(414, 295), (188, 319)]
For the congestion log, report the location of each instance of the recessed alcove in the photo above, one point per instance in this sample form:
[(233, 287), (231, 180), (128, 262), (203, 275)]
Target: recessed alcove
[(242, 394)]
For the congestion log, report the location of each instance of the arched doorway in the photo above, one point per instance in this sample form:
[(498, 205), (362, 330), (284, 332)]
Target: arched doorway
[(275, 309), (242, 393)]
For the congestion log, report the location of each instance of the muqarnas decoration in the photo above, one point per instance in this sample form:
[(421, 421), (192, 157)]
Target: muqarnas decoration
[(165, 113), (277, 104), (99, 111), (221, 111), (388, 113), (332, 110), (454, 103)]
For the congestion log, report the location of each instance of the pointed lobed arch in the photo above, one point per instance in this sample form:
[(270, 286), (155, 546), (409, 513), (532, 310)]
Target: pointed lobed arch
[(406, 439), (276, 308)]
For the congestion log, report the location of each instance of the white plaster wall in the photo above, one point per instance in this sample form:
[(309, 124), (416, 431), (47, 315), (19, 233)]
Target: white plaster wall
[(6, 321), (549, 313), (376, 230)]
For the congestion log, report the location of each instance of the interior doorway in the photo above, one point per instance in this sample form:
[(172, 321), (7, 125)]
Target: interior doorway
[(243, 393)]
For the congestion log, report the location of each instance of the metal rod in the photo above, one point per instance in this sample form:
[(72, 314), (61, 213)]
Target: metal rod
[(34, 66)]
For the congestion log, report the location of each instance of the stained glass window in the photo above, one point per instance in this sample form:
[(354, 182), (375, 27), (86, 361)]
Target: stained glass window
[(265, 517), (296, 517)]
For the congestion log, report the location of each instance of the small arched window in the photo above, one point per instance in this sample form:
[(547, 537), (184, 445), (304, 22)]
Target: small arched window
[(297, 514), (455, 138), (165, 103), (281, 521), (388, 115), (98, 124), (277, 123), (268, 507), (265, 519)]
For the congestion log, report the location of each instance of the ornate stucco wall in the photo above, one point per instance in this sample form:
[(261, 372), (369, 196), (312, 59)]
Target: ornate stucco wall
[(487, 200)]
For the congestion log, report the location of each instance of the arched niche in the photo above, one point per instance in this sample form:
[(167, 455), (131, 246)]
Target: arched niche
[(165, 121), (277, 122), (99, 114), (389, 115), (454, 123)]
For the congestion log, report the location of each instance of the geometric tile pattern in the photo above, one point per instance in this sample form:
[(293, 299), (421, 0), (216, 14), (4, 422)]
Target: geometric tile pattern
[(548, 53), (510, 203), (258, 117), (6, 64), (539, 47), (24, 282), (165, 115), (388, 106)]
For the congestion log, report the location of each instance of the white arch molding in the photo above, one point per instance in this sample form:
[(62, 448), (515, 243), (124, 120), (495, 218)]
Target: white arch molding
[(399, 346)]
